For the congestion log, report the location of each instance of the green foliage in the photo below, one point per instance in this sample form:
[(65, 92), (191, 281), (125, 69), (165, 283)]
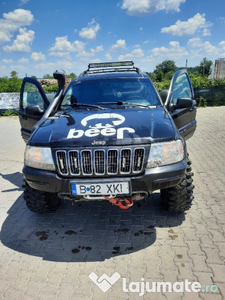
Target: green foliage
[(51, 88), (47, 76), (162, 85), (10, 85), (204, 67), (167, 66), (72, 75), (202, 102), (163, 74), (10, 112), (14, 74)]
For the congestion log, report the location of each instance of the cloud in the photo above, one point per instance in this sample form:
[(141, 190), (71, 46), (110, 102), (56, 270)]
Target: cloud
[(22, 42), (189, 27), (195, 42), (120, 45), (63, 45), (7, 61), (198, 48), (85, 56), (108, 56), (23, 60), (37, 56), (90, 31), (98, 49), (24, 1), (173, 52), (222, 45), (17, 67), (60, 65), (4, 37), (135, 54), (145, 7), (12, 21)]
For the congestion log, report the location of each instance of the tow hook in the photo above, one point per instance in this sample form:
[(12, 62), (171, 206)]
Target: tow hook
[(128, 202)]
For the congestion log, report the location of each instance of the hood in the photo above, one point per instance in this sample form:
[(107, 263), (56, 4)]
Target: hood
[(79, 128)]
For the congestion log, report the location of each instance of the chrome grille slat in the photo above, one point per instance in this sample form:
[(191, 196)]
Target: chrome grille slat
[(74, 162), (62, 163), (125, 161), (99, 156), (86, 159), (100, 162), (138, 159), (112, 162)]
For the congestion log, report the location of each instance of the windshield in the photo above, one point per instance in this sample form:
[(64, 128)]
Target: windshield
[(129, 90)]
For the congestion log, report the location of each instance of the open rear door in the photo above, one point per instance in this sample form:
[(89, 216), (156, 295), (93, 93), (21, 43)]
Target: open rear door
[(33, 103)]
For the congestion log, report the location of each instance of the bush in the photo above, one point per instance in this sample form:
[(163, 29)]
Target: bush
[(10, 85), (51, 88), (9, 112)]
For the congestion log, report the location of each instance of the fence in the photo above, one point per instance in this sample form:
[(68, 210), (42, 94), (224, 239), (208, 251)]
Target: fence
[(212, 96)]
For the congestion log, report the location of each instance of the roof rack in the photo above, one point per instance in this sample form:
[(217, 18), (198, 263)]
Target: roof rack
[(106, 67)]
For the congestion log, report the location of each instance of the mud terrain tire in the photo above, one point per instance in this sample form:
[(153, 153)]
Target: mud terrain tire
[(40, 202), (179, 198)]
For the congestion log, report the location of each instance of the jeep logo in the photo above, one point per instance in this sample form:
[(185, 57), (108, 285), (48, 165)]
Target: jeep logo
[(99, 129)]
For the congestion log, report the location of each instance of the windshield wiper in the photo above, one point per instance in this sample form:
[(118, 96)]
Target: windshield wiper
[(85, 105), (122, 103)]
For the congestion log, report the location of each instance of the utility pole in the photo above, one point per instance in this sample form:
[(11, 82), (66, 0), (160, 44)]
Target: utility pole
[(203, 71)]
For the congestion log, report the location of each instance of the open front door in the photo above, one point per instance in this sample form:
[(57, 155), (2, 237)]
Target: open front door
[(33, 103), (181, 104)]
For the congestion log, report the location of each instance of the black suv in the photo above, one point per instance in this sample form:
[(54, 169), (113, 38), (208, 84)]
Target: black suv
[(108, 136)]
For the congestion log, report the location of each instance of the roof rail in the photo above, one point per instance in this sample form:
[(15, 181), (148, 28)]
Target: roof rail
[(106, 67)]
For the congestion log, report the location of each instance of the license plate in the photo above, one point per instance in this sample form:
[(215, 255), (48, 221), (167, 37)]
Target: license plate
[(115, 188)]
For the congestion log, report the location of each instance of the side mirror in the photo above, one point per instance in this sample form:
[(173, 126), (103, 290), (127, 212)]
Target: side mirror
[(163, 94), (184, 103), (33, 110)]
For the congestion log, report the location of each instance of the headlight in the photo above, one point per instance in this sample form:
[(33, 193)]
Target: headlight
[(162, 154), (39, 158)]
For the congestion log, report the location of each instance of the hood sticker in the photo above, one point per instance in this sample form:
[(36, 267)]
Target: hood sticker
[(92, 130)]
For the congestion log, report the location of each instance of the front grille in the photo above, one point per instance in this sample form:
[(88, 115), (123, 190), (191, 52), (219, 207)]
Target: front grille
[(88, 162)]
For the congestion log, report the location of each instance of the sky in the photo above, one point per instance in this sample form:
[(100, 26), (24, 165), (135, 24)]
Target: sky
[(38, 37)]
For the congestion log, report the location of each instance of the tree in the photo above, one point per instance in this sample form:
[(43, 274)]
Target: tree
[(165, 67), (72, 75), (14, 75), (47, 76), (204, 67)]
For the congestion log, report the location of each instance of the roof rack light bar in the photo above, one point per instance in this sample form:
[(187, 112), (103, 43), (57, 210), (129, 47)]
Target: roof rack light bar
[(128, 63)]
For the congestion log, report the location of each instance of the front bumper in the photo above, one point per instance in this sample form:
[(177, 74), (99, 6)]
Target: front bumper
[(153, 179)]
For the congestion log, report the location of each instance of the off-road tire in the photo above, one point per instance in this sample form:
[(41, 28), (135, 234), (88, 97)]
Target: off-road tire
[(179, 198), (40, 202)]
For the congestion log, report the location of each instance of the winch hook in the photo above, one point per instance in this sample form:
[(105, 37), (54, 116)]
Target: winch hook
[(118, 202)]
